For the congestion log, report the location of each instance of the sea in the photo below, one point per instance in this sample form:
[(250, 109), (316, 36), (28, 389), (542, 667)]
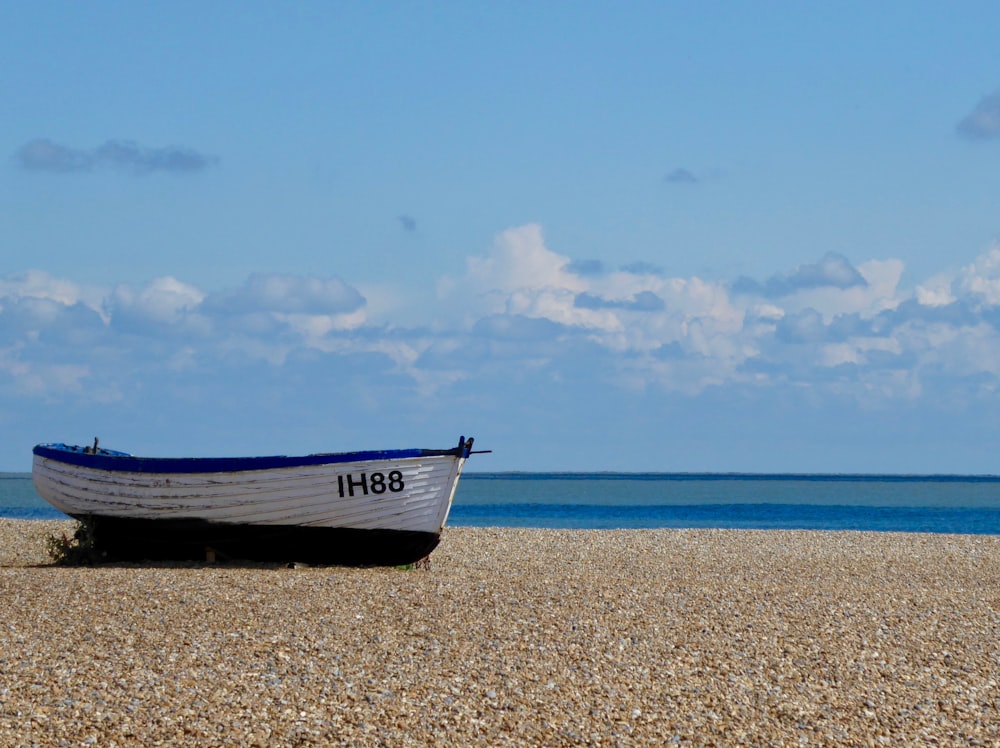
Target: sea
[(965, 504)]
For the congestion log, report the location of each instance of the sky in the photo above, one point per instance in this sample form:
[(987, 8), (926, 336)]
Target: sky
[(597, 236)]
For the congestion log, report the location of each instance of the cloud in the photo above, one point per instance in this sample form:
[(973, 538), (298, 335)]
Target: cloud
[(519, 275), (980, 281), (44, 155), (302, 311), (520, 260), (33, 319), (983, 123), (828, 328), (681, 176), (642, 268), (165, 305), (37, 284), (290, 294), (832, 271), (644, 301), (517, 328), (586, 267), (132, 157), (802, 327)]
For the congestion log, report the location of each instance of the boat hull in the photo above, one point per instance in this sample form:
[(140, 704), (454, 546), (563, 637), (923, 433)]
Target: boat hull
[(355, 508), (125, 539)]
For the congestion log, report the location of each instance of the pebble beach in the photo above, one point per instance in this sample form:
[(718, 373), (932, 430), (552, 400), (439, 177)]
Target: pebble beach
[(514, 637)]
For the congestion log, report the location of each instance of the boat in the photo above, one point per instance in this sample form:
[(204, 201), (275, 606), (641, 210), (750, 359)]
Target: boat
[(355, 508)]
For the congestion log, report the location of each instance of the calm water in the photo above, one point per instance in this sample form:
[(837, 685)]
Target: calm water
[(958, 504)]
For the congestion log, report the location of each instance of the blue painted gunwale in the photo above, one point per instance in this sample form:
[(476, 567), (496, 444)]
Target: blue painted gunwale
[(112, 460)]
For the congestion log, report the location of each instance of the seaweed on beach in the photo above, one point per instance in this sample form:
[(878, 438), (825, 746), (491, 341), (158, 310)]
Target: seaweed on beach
[(78, 550)]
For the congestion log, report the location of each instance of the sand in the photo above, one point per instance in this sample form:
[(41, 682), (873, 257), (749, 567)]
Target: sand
[(514, 637)]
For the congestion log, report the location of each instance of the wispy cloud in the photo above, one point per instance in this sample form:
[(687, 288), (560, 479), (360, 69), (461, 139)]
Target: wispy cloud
[(644, 301), (983, 123), (681, 175), (43, 155)]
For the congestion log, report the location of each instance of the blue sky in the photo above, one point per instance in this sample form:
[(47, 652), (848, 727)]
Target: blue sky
[(597, 236)]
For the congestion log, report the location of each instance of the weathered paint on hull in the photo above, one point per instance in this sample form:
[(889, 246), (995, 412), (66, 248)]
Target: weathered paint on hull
[(123, 539)]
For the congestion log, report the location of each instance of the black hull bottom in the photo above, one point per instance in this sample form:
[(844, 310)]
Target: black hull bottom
[(118, 539)]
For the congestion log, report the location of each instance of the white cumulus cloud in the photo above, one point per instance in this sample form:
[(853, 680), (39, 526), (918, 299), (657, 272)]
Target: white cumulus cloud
[(825, 326)]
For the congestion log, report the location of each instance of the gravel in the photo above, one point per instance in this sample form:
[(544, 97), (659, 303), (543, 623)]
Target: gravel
[(514, 637)]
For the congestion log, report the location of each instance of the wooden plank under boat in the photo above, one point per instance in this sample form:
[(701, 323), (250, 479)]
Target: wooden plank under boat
[(377, 507)]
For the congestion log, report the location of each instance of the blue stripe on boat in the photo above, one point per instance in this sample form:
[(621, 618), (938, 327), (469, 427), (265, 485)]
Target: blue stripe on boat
[(107, 459)]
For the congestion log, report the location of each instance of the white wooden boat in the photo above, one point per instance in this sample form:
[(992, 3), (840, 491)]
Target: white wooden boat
[(379, 507)]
